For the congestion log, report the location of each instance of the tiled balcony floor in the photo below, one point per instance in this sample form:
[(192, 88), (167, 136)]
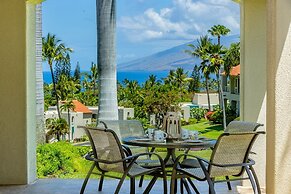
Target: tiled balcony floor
[(72, 186)]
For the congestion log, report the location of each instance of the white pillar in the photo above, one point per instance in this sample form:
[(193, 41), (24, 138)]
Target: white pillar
[(279, 97), (17, 86), (253, 75)]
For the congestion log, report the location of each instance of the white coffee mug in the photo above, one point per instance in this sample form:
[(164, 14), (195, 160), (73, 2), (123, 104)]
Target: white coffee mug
[(160, 135), (185, 134), (193, 134), (150, 133)]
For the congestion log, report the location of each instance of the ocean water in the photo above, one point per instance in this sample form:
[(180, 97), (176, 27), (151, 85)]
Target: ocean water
[(139, 76)]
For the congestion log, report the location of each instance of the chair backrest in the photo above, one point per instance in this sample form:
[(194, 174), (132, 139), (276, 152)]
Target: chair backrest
[(127, 128), (106, 146), (242, 126), (231, 148)]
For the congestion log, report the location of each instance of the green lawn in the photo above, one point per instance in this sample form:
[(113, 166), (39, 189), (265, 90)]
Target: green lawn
[(206, 129)]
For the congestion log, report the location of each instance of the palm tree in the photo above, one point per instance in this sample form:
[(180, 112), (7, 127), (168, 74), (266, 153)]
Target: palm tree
[(68, 106), (66, 87), (150, 82), (231, 57), (53, 51), (106, 29), (93, 76), (218, 30), (180, 77), (200, 51), (40, 129), (57, 127)]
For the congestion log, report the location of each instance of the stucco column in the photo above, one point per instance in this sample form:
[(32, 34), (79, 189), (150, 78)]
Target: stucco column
[(253, 75), (17, 86), (279, 97)]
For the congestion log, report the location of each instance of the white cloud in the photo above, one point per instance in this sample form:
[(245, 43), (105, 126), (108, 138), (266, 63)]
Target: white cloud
[(185, 19)]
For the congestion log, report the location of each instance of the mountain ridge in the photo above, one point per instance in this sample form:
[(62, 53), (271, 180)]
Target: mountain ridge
[(168, 59)]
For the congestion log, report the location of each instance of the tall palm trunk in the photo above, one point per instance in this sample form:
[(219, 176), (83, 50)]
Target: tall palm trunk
[(55, 89), (40, 129), (207, 92), (106, 28)]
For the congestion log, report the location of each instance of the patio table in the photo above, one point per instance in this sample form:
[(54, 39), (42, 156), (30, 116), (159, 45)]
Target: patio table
[(171, 146), (199, 144)]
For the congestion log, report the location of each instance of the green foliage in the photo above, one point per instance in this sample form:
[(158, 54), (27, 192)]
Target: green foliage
[(57, 127), (197, 113), (195, 82), (190, 121), (217, 115), (59, 159)]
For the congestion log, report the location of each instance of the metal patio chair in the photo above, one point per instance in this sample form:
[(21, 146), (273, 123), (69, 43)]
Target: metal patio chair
[(108, 156), (233, 126), (230, 157), (133, 128), (242, 126)]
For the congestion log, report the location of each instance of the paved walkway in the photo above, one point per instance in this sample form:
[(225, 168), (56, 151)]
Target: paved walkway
[(72, 186)]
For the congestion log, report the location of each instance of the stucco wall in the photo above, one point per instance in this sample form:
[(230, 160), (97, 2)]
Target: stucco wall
[(17, 105), (279, 97), (253, 74)]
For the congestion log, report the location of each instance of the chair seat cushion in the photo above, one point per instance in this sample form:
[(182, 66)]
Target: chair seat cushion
[(190, 163), (153, 163), (194, 172), (137, 170)]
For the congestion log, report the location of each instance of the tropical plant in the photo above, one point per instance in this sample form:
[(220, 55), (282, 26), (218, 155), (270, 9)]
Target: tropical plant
[(200, 51), (93, 76), (53, 51), (59, 159), (231, 57), (57, 127), (195, 82), (218, 31), (106, 29), (217, 115), (197, 113), (66, 88)]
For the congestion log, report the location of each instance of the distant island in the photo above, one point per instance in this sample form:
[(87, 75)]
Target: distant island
[(169, 59)]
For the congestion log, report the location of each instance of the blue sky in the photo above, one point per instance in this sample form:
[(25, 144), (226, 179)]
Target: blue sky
[(144, 27)]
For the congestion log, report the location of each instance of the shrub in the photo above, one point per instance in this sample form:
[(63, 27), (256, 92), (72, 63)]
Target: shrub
[(197, 113), (59, 159), (191, 121), (217, 115)]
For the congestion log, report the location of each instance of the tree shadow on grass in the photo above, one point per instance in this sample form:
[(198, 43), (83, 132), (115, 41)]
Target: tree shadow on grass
[(217, 128)]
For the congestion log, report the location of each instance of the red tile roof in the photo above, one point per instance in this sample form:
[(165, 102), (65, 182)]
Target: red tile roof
[(235, 71), (79, 107)]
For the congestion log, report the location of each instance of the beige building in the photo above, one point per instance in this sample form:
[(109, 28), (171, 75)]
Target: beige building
[(123, 113), (265, 89), (200, 99), (80, 116), (231, 88)]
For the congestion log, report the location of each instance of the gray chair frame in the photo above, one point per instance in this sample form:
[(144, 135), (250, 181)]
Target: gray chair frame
[(128, 163), (232, 127), (205, 166), (146, 163)]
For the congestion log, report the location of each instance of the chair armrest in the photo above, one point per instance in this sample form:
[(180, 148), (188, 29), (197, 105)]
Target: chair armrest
[(249, 163), (131, 158), (126, 150), (188, 155)]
